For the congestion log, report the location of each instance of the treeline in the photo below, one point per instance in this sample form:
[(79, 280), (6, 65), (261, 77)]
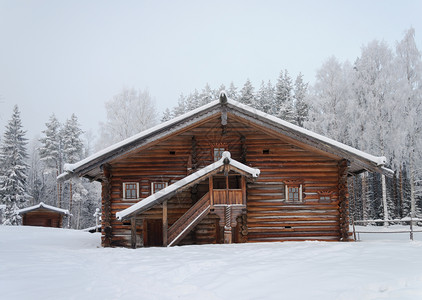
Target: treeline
[(29, 177), (29, 169), (373, 104)]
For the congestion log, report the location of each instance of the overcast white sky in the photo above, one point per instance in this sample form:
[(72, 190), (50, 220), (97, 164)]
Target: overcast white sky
[(71, 56)]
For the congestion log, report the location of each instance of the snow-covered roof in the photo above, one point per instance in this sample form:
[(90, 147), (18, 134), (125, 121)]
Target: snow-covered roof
[(91, 166), (45, 206), (167, 192)]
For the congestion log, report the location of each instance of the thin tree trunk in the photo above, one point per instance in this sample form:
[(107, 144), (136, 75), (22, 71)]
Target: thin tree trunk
[(70, 203), (401, 192), (364, 196), (384, 200), (412, 192)]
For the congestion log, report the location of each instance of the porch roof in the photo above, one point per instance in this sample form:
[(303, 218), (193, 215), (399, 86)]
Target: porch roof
[(186, 182)]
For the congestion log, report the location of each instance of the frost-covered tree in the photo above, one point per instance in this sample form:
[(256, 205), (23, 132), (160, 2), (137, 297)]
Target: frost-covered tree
[(193, 101), (72, 140), (247, 95), (232, 92), (14, 168), (128, 113), (167, 115), (262, 98), (51, 155), (330, 100), (50, 150), (207, 95), (35, 182), (300, 91), (72, 151), (284, 97), (408, 110)]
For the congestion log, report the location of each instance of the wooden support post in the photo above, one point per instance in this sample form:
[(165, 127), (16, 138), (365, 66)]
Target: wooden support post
[(243, 187), (106, 204), (165, 224), (133, 232), (211, 189), (227, 226), (343, 200)]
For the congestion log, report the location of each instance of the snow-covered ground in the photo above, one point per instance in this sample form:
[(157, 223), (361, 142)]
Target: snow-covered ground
[(46, 263)]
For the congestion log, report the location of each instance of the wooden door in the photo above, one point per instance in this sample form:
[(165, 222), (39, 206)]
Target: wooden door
[(154, 233)]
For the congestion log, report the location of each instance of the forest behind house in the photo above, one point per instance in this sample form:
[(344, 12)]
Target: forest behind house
[(373, 104)]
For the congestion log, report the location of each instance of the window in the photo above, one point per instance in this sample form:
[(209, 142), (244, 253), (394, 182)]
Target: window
[(266, 151), (293, 192), (218, 153), (156, 186), (130, 190), (325, 196)]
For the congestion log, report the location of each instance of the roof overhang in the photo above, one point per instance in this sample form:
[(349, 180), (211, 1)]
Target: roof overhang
[(360, 161)]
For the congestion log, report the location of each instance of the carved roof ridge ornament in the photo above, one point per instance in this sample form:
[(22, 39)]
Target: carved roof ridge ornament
[(223, 102)]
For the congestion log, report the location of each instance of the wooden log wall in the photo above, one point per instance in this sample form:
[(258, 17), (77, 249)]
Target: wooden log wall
[(268, 218), (40, 217)]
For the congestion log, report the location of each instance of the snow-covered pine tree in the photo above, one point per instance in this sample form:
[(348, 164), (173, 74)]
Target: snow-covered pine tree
[(232, 92), (247, 95), (270, 106), (72, 141), (284, 97), (207, 95), (300, 91), (193, 101), (217, 92), (167, 115), (180, 109), (35, 182), (51, 155), (13, 168), (261, 98), (72, 150)]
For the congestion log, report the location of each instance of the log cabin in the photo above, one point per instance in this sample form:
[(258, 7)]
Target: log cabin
[(43, 215), (224, 173)]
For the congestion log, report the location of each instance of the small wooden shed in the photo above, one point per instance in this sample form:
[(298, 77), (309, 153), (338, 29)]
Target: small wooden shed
[(43, 215)]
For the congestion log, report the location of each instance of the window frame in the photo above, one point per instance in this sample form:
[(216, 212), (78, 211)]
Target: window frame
[(293, 184), (153, 191), (325, 196), (136, 190), (221, 148)]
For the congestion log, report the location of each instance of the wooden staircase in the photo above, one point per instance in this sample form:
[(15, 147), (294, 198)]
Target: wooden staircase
[(189, 220)]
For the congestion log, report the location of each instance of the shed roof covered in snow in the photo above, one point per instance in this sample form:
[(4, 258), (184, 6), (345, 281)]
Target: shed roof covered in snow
[(91, 167), (42, 205), (203, 173)]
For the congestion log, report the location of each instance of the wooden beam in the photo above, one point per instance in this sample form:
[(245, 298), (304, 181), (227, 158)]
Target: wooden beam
[(165, 224), (211, 188), (133, 232), (343, 200), (243, 187), (106, 205)]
